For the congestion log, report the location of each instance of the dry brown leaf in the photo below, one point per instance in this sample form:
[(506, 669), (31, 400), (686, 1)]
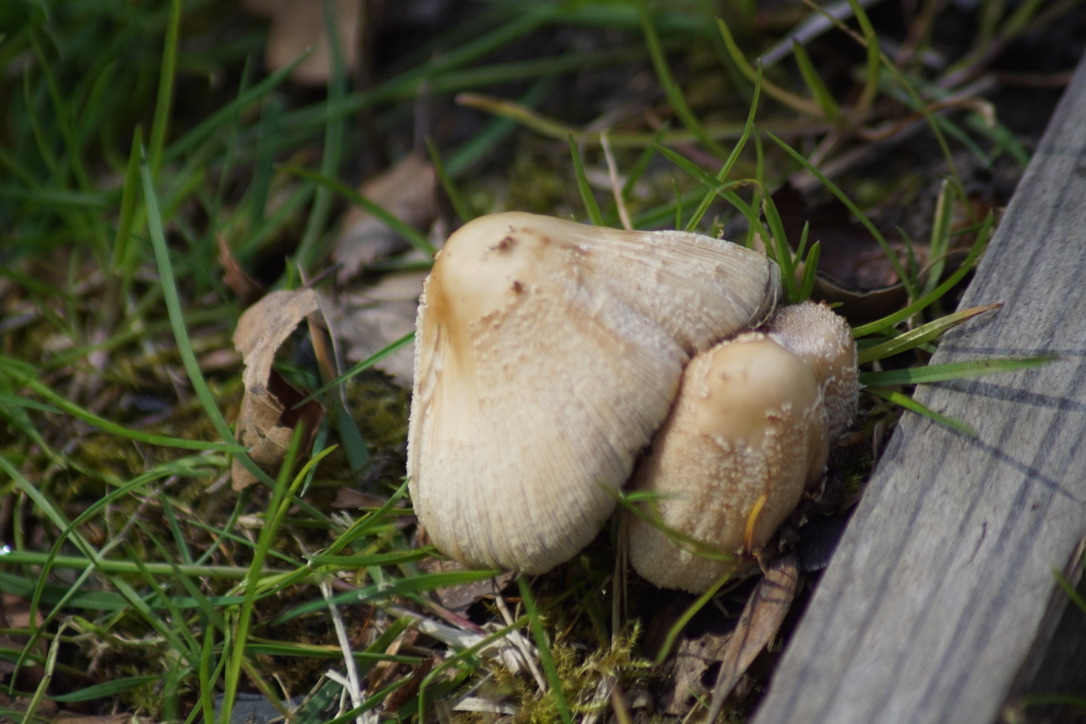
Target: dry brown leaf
[(407, 192), (853, 270), (686, 670), (65, 717), (370, 320), (298, 24), (459, 598), (268, 416), (15, 618), (757, 627), (236, 279), (410, 689)]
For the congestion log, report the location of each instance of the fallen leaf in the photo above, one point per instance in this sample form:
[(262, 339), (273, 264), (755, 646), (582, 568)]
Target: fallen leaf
[(369, 320), (235, 278), (686, 670), (297, 25), (268, 417), (853, 270), (17, 620), (459, 597), (65, 717), (408, 691), (406, 191), (353, 498), (757, 627)]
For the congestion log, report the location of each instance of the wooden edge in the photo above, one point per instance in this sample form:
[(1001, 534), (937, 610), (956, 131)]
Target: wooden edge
[(942, 600)]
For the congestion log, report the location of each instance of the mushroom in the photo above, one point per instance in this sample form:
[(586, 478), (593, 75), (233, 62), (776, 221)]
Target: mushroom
[(748, 434), (547, 353), (824, 340)]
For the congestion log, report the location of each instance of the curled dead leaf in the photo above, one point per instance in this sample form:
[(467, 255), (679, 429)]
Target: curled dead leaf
[(269, 409)]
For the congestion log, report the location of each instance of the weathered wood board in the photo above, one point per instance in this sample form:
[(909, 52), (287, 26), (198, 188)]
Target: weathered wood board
[(942, 599)]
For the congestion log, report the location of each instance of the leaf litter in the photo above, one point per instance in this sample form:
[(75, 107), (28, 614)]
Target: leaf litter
[(270, 414), (371, 312), (298, 28)]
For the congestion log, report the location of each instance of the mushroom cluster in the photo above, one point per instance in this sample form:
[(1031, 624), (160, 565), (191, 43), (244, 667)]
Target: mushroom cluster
[(547, 356)]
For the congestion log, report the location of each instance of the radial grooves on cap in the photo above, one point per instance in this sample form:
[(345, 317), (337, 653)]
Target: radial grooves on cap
[(547, 353)]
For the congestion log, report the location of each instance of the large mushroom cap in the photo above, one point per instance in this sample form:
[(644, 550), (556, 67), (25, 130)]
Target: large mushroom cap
[(744, 438), (547, 353)]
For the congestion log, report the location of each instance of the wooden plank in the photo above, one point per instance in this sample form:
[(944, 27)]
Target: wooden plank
[(941, 599)]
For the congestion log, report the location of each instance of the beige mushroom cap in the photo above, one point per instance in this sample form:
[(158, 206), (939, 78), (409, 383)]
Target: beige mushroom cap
[(547, 353), (747, 430), (824, 340)]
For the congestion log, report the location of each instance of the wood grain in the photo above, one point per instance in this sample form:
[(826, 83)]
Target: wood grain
[(941, 600)]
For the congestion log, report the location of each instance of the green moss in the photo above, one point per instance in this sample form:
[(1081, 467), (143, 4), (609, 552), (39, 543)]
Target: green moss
[(584, 670), (539, 182), (380, 409)]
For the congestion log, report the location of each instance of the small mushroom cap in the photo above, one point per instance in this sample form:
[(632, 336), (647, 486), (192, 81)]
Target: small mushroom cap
[(546, 354), (747, 423), (824, 340)]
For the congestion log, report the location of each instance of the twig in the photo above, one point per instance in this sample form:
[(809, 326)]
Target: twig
[(520, 643), (616, 187), (353, 685)]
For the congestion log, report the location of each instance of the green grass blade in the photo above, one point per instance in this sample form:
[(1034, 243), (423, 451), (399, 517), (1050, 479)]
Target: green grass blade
[(810, 267), (904, 401), (733, 157), (460, 206), (776, 243), (167, 71), (410, 235), (113, 428), (307, 252), (61, 113), (546, 659), (936, 294), (188, 143), (905, 278), (360, 367), (495, 133), (722, 189), (637, 170), (282, 493), (124, 257), (173, 307), (796, 102), (116, 567), (954, 371), (671, 89), (821, 94), (874, 59), (691, 611), (922, 334), (588, 198)]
